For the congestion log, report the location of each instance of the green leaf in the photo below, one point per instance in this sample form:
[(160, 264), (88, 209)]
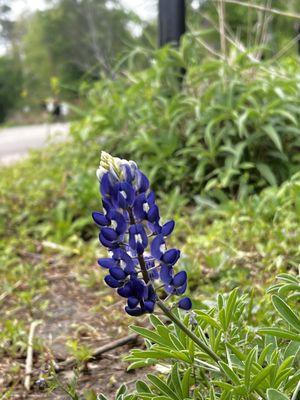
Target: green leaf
[(264, 353), (251, 358), (211, 321), (292, 349), (140, 364), (162, 387), (286, 313), (230, 373), (150, 335), (267, 173), (273, 394), (230, 306), (142, 387), (281, 333), (273, 135), (101, 397), (175, 376), (155, 321), (122, 389), (261, 376), (185, 384)]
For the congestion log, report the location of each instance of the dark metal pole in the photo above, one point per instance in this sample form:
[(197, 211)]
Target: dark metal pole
[(171, 15)]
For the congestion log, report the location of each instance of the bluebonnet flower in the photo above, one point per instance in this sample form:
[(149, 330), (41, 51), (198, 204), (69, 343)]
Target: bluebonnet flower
[(139, 263)]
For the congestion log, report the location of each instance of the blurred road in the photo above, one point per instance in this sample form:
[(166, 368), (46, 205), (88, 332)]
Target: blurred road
[(17, 141)]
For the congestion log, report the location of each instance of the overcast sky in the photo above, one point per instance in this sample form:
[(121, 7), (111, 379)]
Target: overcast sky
[(146, 9)]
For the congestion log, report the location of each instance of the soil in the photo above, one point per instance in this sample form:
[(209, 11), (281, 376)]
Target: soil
[(75, 311)]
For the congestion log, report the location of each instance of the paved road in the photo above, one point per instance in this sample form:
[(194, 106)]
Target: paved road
[(17, 141)]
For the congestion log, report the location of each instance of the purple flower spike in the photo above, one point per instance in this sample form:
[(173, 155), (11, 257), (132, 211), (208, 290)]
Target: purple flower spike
[(131, 230)]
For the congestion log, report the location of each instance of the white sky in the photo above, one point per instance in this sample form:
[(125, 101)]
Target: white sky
[(146, 9)]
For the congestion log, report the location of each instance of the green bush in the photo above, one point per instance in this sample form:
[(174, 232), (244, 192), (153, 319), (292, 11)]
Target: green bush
[(228, 129), (254, 362)]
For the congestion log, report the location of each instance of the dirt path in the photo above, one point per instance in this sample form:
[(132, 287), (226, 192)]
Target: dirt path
[(90, 316)]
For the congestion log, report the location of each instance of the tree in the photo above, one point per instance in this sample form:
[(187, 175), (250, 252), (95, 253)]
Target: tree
[(73, 39), (10, 85)]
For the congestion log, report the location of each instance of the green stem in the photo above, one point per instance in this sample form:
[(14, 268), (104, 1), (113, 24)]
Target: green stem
[(206, 349), (189, 333), (196, 340)]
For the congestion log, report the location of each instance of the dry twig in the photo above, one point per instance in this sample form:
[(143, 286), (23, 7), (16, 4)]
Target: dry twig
[(29, 359), (263, 8), (69, 362)]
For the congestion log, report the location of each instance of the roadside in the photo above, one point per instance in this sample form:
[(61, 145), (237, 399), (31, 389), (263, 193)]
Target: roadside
[(16, 142)]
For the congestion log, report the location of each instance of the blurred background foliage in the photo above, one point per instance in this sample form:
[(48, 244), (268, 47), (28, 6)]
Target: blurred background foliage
[(220, 143), (79, 42), (225, 130)]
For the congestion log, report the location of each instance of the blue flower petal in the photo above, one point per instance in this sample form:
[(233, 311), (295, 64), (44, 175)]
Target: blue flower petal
[(167, 228), (132, 302), (112, 282), (180, 279), (123, 195), (138, 239), (125, 291), (142, 182), (185, 303), (106, 262), (153, 214), (156, 246), (109, 234), (120, 221), (100, 218), (105, 242), (105, 185), (127, 173), (171, 256), (149, 306), (181, 289), (166, 274), (138, 207), (117, 273), (151, 198), (135, 312)]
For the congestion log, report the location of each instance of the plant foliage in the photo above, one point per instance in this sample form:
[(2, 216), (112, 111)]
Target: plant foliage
[(227, 129)]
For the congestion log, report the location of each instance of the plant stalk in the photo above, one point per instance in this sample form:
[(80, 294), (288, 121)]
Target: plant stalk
[(189, 333)]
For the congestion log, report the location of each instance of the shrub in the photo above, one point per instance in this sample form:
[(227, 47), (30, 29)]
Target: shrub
[(256, 362), (231, 129)]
